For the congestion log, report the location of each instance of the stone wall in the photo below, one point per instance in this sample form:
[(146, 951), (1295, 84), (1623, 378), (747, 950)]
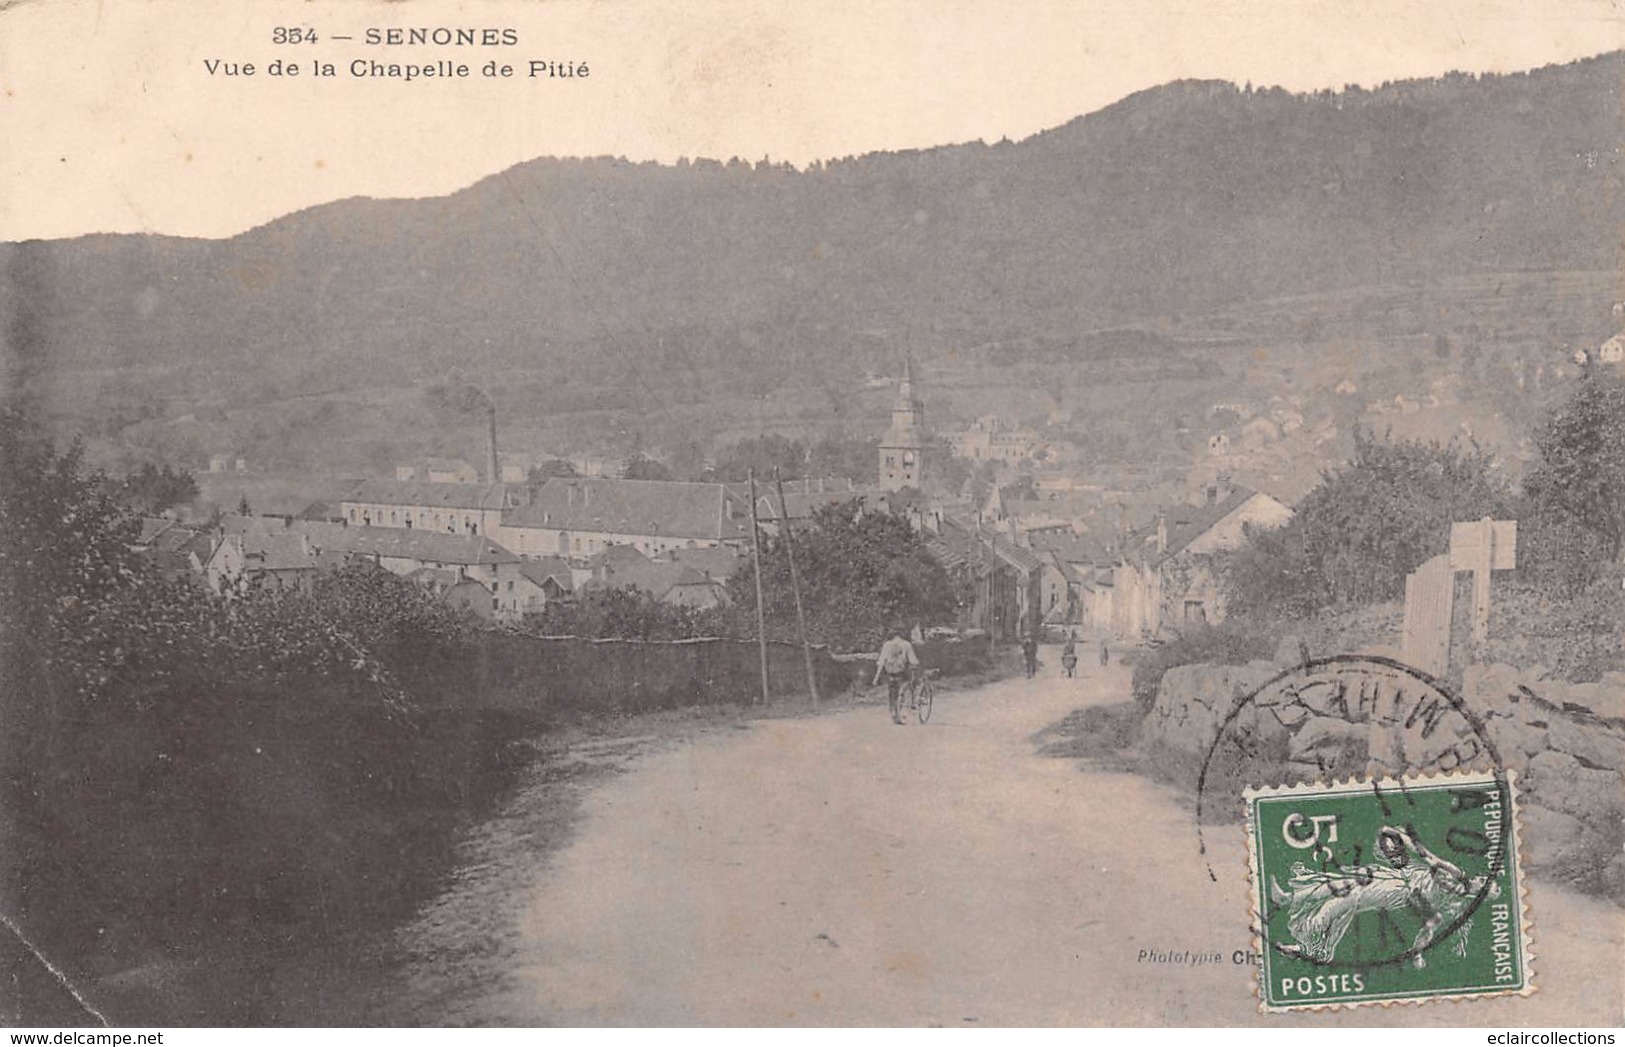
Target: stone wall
[(1564, 741), (1567, 740)]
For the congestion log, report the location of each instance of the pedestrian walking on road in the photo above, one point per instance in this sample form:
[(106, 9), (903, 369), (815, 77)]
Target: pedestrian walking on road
[(1105, 655), (1069, 655), (897, 663), (1029, 651)]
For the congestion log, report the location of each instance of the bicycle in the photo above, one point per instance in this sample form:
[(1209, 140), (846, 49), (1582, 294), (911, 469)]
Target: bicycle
[(923, 694)]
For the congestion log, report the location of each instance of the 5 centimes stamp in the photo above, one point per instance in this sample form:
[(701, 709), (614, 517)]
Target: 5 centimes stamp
[(1387, 890)]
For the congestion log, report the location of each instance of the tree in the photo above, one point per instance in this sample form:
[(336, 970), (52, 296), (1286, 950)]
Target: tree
[(628, 614), (945, 469), (1577, 489), (845, 458), (548, 469), (1357, 535), (763, 454), (641, 467), (861, 573), (982, 480), (151, 489)]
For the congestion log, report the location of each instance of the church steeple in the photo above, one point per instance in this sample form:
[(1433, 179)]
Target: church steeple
[(902, 449)]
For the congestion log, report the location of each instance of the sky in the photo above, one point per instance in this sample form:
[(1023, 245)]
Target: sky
[(110, 120)]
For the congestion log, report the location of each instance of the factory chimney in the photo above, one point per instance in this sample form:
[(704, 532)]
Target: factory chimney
[(491, 473)]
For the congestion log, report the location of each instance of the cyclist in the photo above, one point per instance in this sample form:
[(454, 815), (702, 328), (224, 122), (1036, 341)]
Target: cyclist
[(896, 663)]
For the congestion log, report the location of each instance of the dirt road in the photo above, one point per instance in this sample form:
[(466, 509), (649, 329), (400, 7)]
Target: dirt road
[(839, 870)]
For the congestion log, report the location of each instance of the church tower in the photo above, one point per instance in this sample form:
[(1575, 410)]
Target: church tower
[(902, 449)]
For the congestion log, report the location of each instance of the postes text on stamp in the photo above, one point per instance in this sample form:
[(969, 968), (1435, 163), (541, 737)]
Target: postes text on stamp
[(1387, 890)]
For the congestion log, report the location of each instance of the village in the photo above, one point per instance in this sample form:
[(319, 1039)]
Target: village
[(1042, 546), (501, 545)]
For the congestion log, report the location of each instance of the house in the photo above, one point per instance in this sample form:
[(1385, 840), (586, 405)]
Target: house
[(260, 560), (1165, 578), (1076, 584), (178, 551), (328, 512), (1004, 579), (472, 597), (406, 551), (544, 581), (578, 517), (802, 499), (719, 562), (445, 508), (987, 440), (668, 581)]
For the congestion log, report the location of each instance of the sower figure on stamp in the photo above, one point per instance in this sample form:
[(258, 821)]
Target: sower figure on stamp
[(1323, 905)]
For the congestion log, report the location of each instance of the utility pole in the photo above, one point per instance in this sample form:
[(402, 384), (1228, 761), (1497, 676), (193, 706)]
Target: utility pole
[(795, 586), (761, 609)]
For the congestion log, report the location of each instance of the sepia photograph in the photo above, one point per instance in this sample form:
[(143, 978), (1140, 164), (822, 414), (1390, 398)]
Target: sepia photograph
[(729, 513)]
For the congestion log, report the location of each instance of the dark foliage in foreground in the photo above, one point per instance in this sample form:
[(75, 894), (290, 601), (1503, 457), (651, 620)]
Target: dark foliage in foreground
[(179, 769)]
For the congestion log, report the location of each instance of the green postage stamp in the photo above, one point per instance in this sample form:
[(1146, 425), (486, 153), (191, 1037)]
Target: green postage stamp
[(1387, 890)]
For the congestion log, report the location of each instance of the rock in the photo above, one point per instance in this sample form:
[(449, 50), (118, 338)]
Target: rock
[(1292, 650), (1552, 766), (1490, 690), (1338, 747), (1612, 879), (1592, 744), (1298, 771), (1514, 742), (1586, 695), (1535, 711), (1557, 780), (1332, 697), (1269, 739), (1385, 751), (1264, 672), (1605, 698), (1553, 840), (1289, 715)]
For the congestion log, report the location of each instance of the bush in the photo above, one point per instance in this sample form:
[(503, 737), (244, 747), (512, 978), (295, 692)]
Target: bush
[(1357, 535), (1577, 638), (621, 614), (180, 769), (1224, 644)]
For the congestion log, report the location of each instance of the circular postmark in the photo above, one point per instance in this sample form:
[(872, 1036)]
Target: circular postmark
[(1369, 854)]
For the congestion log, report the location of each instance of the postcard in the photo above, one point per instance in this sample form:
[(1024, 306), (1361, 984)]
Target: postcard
[(736, 513)]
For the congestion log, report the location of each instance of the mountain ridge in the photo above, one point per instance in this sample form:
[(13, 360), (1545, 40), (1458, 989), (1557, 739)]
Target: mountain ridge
[(682, 278)]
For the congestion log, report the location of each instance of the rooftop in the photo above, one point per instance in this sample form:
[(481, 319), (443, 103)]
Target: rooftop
[(653, 508), (422, 492)]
